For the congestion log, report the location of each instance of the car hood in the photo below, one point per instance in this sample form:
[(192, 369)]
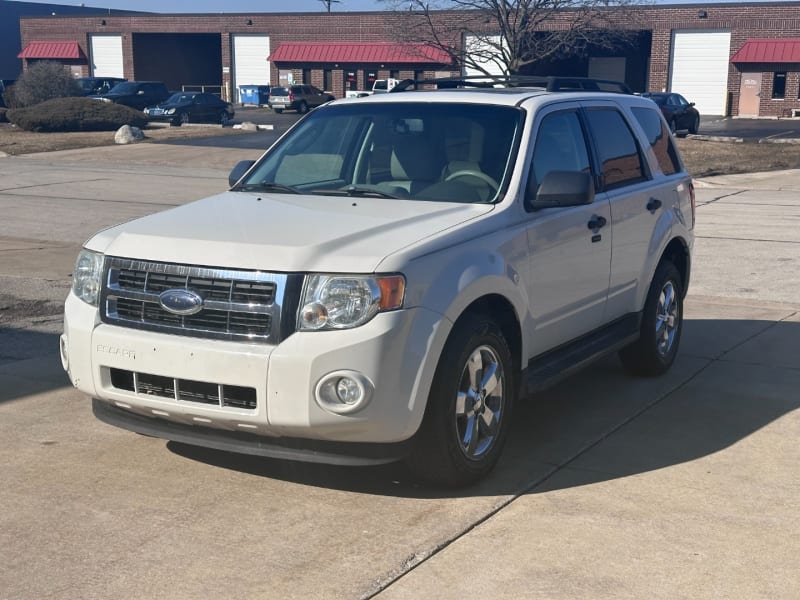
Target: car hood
[(284, 232)]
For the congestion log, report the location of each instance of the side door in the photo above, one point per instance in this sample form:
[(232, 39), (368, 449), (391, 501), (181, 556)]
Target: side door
[(637, 198), (569, 261)]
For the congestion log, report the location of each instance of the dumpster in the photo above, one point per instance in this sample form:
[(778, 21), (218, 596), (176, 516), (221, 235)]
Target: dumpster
[(254, 94)]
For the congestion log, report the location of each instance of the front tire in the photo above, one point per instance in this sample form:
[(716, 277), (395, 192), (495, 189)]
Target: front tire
[(662, 323), (695, 126), (224, 118), (469, 407)]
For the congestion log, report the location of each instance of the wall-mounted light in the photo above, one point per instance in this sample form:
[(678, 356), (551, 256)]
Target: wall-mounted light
[(103, 22), (702, 14), (248, 22)]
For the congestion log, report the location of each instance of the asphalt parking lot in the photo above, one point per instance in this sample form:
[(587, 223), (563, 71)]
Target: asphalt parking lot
[(685, 486)]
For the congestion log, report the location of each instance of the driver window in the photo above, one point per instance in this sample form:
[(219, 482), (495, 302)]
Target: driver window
[(560, 146)]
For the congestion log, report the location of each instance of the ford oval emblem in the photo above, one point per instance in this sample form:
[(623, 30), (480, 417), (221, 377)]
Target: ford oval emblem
[(180, 302)]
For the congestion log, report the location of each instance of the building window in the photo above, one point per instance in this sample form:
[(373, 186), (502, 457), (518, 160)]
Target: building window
[(394, 74), (779, 85), (327, 80), (350, 80)]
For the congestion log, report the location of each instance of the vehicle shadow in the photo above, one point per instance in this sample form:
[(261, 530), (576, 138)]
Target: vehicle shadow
[(29, 363), (731, 378)]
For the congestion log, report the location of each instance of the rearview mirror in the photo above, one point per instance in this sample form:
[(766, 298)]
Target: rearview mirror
[(564, 188), (239, 170)]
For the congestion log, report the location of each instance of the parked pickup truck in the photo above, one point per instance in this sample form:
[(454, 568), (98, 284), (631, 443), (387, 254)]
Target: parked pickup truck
[(381, 86), (391, 278)]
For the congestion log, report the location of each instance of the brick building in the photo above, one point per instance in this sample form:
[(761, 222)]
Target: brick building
[(732, 58)]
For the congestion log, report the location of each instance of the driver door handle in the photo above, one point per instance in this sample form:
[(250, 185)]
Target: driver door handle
[(596, 222)]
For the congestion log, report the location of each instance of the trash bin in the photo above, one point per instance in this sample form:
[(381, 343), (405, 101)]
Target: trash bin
[(254, 94)]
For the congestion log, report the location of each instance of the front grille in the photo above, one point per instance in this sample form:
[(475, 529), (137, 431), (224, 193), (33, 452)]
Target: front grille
[(184, 390), (236, 305)]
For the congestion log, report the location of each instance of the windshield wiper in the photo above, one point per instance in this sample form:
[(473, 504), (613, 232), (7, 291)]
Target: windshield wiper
[(355, 192), (268, 186)]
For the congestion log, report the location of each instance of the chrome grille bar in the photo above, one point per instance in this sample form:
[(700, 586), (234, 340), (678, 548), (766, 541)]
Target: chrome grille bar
[(237, 304)]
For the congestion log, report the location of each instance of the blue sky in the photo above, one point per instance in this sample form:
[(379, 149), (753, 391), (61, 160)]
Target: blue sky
[(242, 6)]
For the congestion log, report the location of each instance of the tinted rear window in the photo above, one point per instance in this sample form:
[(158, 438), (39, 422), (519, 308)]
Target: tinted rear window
[(279, 91)]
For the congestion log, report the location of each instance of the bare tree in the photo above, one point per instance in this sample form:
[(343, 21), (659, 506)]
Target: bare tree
[(491, 36)]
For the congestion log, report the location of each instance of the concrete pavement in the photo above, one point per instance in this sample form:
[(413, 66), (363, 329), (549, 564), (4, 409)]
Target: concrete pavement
[(685, 486)]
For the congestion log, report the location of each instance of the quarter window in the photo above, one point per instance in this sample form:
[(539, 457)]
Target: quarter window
[(660, 140), (618, 153)]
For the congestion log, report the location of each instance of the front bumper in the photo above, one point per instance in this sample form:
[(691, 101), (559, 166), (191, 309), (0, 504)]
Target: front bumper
[(395, 351), (315, 451)]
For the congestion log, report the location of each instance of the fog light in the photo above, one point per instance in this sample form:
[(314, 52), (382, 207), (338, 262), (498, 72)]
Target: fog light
[(344, 392)]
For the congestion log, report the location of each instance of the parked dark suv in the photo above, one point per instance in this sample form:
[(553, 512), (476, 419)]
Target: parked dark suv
[(297, 97), (137, 94), (93, 86)]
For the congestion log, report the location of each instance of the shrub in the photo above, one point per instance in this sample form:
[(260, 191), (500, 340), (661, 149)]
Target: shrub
[(75, 114), (42, 81)]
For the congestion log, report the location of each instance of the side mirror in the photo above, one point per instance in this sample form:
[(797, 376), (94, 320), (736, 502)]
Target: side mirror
[(691, 103), (564, 188), (239, 170)]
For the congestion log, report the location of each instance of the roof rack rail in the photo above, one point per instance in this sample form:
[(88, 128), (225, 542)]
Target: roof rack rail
[(550, 83)]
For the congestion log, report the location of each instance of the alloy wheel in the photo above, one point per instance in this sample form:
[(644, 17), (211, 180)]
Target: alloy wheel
[(480, 402)]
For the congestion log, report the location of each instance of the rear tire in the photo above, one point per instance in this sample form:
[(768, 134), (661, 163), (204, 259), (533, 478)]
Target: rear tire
[(303, 108), (469, 407), (278, 110), (662, 323)]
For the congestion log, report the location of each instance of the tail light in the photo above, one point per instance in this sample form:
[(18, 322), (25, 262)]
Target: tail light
[(291, 97)]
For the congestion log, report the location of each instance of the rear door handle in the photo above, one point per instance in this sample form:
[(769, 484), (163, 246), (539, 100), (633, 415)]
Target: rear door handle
[(653, 205), (596, 222)]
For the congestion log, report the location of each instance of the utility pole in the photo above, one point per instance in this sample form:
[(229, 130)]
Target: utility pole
[(328, 3)]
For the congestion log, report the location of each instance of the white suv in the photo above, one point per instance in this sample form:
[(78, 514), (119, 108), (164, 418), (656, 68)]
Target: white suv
[(391, 277)]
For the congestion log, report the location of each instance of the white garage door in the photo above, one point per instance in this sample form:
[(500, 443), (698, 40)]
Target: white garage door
[(477, 47), (250, 64), (699, 68), (106, 51)]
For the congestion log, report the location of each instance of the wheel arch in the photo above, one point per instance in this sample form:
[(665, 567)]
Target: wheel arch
[(500, 309), (677, 252)]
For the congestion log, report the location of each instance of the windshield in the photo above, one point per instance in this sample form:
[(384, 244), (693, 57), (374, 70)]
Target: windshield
[(180, 98), (127, 87), (423, 151)]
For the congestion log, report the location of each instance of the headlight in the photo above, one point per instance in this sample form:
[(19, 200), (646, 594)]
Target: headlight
[(169, 111), (347, 301), (87, 277)]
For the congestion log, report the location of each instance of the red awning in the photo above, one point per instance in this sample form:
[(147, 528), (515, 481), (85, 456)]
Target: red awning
[(364, 52), (52, 50), (785, 50)]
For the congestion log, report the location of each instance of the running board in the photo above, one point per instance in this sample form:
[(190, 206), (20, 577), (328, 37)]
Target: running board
[(547, 369)]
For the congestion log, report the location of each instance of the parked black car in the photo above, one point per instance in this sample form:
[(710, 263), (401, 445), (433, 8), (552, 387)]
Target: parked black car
[(95, 86), (136, 94), (679, 113), (297, 97), (191, 107)]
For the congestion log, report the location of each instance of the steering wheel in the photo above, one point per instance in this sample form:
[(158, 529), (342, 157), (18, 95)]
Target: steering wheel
[(477, 174)]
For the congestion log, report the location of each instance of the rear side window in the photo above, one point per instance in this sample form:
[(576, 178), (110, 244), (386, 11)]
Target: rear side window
[(617, 150), (660, 139)]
